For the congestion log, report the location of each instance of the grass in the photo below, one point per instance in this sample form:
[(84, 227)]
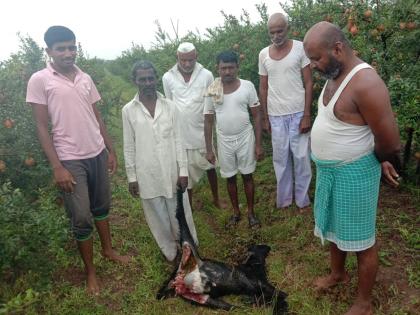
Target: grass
[(296, 258)]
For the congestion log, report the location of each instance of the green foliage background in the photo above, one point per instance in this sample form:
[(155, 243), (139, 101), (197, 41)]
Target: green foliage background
[(33, 227)]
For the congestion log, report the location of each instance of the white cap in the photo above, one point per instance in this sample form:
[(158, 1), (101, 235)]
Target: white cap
[(186, 47)]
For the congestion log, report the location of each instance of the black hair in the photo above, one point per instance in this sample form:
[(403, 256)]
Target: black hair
[(227, 56), (57, 34), (142, 65)]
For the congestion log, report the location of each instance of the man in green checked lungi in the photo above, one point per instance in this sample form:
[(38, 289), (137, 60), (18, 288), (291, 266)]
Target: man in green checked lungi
[(353, 137)]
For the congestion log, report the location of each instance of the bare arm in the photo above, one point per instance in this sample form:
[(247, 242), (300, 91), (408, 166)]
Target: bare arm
[(372, 100), (112, 158), (208, 135), (256, 114), (263, 91), (305, 123), (62, 176)]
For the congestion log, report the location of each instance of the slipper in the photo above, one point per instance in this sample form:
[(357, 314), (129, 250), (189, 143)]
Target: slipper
[(253, 222), (234, 219)]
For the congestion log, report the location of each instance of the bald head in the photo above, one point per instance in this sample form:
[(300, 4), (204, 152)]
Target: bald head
[(326, 35), (277, 19), (278, 29), (328, 49)]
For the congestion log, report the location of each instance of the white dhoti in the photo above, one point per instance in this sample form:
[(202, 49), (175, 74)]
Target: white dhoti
[(291, 154), (160, 214)]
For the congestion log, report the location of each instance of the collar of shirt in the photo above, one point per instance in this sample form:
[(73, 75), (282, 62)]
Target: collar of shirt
[(53, 71), (198, 67), (161, 100)]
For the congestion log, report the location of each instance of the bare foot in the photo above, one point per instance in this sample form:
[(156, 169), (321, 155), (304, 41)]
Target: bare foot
[(331, 280), (92, 284), (115, 257), (220, 204), (360, 309), (198, 204), (307, 209), (281, 208)]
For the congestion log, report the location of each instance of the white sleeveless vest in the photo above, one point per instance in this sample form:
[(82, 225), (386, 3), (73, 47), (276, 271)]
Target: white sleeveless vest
[(333, 139)]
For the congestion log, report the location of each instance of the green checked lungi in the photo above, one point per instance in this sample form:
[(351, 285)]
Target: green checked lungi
[(346, 199)]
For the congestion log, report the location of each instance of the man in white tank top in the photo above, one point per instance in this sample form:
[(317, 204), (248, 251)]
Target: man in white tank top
[(353, 133), (286, 101)]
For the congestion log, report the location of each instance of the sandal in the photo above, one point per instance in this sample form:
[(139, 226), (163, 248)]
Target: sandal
[(234, 219), (253, 222)]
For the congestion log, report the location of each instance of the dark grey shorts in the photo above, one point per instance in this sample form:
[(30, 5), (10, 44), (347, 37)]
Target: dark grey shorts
[(91, 198)]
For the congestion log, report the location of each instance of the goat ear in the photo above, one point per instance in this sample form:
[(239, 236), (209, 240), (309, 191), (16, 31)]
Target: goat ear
[(259, 250), (265, 249)]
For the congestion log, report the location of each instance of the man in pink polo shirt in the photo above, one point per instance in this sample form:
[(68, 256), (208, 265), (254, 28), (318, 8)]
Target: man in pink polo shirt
[(79, 149)]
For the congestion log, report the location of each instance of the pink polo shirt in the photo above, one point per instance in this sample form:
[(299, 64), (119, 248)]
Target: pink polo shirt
[(75, 130)]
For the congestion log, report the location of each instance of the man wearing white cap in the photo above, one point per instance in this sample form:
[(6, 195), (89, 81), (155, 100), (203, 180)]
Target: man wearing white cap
[(186, 83)]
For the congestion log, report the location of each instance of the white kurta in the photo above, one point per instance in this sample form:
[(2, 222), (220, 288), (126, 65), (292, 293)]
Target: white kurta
[(189, 98), (154, 156)]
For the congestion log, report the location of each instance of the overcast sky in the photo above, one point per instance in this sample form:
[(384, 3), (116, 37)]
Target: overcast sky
[(106, 28)]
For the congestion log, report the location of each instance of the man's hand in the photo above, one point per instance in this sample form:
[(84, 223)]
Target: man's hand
[(134, 190), (266, 125), (112, 162), (211, 157), (305, 124), (182, 182), (389, 174), (63, 179), (259, 153)]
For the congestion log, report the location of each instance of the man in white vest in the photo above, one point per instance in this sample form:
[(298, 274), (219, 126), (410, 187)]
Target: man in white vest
[(354, 135), (286, 98)]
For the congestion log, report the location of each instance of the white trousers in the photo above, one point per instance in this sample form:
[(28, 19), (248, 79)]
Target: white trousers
[(160, 214), (291, 156)]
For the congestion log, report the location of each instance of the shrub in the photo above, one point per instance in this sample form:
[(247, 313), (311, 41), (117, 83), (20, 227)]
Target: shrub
[(30, 233)]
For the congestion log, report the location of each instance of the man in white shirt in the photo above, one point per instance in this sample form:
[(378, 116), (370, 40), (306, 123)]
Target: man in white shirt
[(286, 102), (229, 98), (155, 160), (185, 84)]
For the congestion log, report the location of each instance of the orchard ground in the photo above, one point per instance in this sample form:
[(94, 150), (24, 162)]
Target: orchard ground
[(297, 257)]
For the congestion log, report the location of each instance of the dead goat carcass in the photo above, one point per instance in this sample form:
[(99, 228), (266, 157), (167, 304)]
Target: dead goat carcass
[(203, 281)]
